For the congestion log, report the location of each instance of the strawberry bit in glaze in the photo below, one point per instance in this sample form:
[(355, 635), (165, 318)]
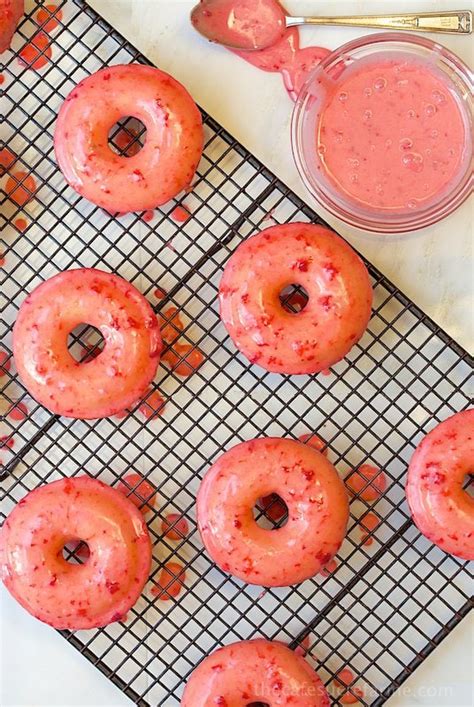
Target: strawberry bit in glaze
[(140, 491), (369, 522), (45, 15), (37, 53), (170, 582), (175, 526), (5, 362), (18, 412), (367, 482), (180, 214), (314, 441), (20, 187), (153, 405)]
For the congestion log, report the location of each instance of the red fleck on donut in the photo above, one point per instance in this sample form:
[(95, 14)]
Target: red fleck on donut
[(441, 508), (324, 331), (248, 672), (75, 596), (317, 502), (160, 170), (100, 386)]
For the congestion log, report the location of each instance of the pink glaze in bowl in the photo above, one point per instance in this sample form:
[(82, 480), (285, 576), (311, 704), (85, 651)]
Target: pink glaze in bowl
[(382, 133)]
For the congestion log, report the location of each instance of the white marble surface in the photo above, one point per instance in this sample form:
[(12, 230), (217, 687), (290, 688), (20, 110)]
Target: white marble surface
[(434, 267)]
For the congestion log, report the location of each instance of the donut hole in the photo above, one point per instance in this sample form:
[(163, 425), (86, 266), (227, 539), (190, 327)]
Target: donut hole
[(271, 512), (293, 298), (258, 704), (76, 552), (85, 343), (127, 136), (468, 484)]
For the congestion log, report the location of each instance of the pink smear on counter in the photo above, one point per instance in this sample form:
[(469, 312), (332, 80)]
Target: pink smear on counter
[(141, 493), (45, 14), (410, 141), (175, 526), (285, 56), (21, 224)]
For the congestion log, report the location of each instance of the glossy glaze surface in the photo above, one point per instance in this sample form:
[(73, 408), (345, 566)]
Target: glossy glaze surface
[(307, 482), (254, 671), (10, 13), (441, 509), (337, 313), (391, 134), (247, 24), (113, 381), (66, 595), (160, 170)]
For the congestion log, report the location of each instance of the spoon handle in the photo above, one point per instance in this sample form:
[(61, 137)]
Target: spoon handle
[(456, 22)]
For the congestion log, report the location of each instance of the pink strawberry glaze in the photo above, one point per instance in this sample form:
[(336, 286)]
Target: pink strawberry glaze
[(337, 313), (158, 172), (113, 381), (441, 509), (65, 595), (317, 502), (252, 671), (10, 13)]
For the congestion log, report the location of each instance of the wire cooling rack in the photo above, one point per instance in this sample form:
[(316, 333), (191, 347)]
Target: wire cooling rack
[(388, 604)]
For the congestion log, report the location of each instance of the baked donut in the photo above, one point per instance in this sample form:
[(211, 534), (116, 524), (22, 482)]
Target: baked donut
[(114, 380), (256, 671), (318, 511), (75, 596), (441, 508), (10, 13), (160, 170), (337, 312)]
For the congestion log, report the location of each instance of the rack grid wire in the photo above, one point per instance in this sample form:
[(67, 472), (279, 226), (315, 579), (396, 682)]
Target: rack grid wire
[(388, 604)]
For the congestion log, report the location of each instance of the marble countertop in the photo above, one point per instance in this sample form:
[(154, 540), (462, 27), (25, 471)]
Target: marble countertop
[(433, 267)]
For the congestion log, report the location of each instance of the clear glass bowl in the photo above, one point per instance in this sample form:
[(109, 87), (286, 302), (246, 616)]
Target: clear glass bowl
[(310, 106)]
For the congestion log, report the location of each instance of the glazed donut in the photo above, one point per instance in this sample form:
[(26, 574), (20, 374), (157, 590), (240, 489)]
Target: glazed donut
[(162, 168), (318, 511), (113, 381), (248, 672), (335, 317), (10, 13), (66, 595), (441, 509)]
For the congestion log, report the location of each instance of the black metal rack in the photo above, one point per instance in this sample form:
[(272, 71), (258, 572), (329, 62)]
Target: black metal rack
[(388, 605)]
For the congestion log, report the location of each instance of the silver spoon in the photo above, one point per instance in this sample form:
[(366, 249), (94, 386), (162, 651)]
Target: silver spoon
[(243, 26)]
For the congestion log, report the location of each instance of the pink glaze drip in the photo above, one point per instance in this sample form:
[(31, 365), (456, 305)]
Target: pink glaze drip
[(7, 160), (312, 440), (37, 53), (139, 491), (160, 293), (18, 412), (20, 187), (367, 525), (148, 216), (390, 134), (367, 482), (153, 405), (180, 214), (175, 526), (5, 363), (170, 582)]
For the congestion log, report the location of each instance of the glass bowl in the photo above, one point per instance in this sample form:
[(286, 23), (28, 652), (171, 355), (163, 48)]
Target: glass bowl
[(387, 49)]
